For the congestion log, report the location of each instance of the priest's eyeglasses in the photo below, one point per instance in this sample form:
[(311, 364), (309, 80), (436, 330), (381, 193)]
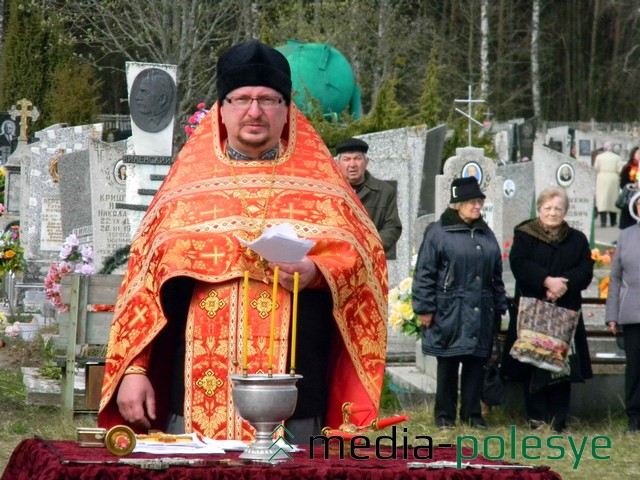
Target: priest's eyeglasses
[(265, 103)]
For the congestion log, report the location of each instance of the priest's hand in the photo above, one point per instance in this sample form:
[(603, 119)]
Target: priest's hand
[(306, 269), (137, 400)]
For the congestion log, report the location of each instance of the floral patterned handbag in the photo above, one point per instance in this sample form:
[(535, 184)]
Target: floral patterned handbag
[(545, 332)]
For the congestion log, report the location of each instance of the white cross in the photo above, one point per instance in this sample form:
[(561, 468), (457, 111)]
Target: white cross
[(469, 101)]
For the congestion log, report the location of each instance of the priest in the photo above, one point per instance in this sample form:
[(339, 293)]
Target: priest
[(254, 162)]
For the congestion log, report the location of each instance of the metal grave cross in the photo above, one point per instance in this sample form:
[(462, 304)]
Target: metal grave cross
[(24, 113), (469, 101)]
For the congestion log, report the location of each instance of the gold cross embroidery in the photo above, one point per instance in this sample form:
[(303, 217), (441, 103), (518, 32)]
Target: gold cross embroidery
[(263, 305), (212, 304), (140, 312), (295, 171), (360, 313), (214, 211), (209, 383), (213, 255), (291, 210)]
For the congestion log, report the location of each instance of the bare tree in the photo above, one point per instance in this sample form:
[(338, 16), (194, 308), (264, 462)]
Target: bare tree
[(535, 67), (188, 33), (484, 49)]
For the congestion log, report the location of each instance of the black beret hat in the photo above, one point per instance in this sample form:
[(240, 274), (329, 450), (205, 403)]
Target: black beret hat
[(352, 145), (253, 64), (463, 189)]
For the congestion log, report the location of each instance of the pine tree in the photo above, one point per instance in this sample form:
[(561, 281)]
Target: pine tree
[(37, 45), (386, 113), (430, 100), (24, 64), (74, 97)]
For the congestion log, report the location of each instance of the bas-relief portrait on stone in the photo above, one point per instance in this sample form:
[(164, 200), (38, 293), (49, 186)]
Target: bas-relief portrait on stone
[(153, 100)]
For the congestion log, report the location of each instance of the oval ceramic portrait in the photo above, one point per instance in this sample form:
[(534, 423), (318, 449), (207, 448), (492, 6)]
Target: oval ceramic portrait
[(509, 188), (120, 172), (472, 169), (565, 174)]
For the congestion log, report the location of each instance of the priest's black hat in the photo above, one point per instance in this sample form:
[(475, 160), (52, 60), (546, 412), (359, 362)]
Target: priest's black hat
[(463, 189), (352, 145), (252, 64)]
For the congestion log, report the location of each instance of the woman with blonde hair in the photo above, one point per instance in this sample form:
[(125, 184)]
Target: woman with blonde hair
[(552, 262)]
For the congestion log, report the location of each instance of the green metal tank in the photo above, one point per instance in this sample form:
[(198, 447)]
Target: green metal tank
[(321, 72)]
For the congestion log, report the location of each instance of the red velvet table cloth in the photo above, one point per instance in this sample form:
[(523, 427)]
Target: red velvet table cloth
[(61, 460)]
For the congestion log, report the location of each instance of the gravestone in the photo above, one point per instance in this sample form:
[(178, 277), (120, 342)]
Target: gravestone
[(9, 132), (559, 139), (397, 155), (111, 229), (432, 166), (501, 145), (152, 100), (75, 196), (526, 135), (470, 161), (553, 169), (91, 184), (518, 192), (585, 143), (41, 221)]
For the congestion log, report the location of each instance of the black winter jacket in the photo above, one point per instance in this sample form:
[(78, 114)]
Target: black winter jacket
[(532, 260), (458, 277)]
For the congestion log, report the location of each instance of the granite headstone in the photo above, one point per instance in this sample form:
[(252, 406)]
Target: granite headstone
[(75, 196), (397, 155), (470, 161), (152, 97), (518, 192), (40, 192), (432, 167), (553, 169), (111, 228)]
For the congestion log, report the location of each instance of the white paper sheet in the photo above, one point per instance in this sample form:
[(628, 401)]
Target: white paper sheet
[(192, 446), (280, 244)]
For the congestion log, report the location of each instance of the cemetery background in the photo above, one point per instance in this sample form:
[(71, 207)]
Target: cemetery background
[(67, 207), (70, 183)]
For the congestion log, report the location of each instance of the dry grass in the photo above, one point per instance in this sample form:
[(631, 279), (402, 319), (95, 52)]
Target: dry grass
[(622, 463), (19, 421)]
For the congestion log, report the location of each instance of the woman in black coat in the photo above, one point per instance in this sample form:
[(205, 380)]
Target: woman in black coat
[(550, 261), (629, 175), (459, 296)]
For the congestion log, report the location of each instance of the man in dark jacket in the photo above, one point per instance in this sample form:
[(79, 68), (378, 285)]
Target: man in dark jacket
[(377, 196)]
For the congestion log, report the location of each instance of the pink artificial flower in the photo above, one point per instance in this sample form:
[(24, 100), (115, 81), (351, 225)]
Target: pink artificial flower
[(85, 269)]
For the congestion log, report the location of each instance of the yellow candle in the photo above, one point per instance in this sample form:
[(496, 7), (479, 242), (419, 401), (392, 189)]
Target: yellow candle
[(273, 316), (245, 327), (294, 320)]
